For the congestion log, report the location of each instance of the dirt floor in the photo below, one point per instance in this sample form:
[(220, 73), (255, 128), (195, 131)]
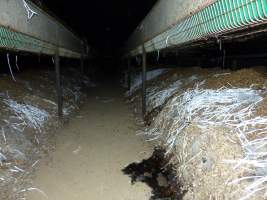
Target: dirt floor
[(91, 150)]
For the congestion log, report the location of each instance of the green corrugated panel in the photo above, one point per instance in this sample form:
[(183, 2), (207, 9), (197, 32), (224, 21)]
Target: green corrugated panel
[(217, 18), (16, 41)]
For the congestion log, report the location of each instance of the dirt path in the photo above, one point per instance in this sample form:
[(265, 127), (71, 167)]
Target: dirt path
[(90, 153)]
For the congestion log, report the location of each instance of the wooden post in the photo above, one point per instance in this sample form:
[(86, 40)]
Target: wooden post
[(129, 74), (58, 86), (144, 69)]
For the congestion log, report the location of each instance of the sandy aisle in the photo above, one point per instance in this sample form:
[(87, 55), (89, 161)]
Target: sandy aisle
[(91, 151)]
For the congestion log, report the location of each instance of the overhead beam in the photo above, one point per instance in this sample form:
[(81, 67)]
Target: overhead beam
[(163, 16), (41, 33), (176, 23)]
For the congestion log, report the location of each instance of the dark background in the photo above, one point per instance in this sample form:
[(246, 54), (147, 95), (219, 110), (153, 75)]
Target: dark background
[(106, 24)]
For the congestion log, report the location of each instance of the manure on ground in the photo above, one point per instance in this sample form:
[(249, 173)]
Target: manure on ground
[(157, 174)]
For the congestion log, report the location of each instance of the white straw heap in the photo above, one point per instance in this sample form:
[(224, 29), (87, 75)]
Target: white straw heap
[(30, 116), (136, 82), (231, 108), (157, 97)]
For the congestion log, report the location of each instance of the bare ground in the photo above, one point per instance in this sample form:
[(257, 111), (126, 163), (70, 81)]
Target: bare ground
[(91, 150)]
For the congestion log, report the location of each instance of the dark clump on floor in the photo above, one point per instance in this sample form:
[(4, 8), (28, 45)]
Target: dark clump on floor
[(149, 117), (157, 174)]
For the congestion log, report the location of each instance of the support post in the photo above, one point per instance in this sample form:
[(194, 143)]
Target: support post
[(199, 62), (129, 74), (223, 59), (58, 85), (144, 70), (219, 58), (82, 69), (82, 64), (178, 60), (234, 64)]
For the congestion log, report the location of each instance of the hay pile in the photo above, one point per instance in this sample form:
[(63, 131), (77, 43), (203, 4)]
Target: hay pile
[(28, 116), (215, 131)]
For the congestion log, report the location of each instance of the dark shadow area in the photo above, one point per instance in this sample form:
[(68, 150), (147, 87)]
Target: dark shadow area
[(104, 68), (158, 174), (105, 24)]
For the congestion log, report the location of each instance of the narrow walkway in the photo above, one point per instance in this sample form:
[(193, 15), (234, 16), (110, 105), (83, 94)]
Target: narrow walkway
[(91, 151)]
